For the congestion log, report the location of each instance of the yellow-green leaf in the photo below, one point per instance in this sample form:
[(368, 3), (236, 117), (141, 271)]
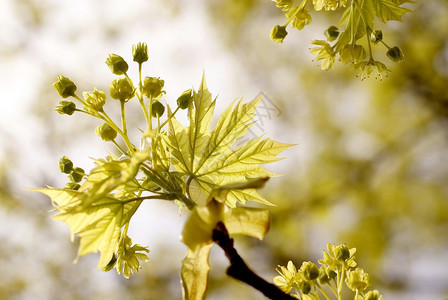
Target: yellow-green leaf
[(194, 272), (207, 158), (98, 224), (248, 221), (387, 10)]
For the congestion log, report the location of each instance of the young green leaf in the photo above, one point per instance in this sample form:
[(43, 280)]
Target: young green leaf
[(98, 225), (194, 272), (387, 10), (207, 158)]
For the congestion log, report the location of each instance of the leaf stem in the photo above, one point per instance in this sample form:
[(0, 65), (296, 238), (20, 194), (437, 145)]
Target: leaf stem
[(323, 292)]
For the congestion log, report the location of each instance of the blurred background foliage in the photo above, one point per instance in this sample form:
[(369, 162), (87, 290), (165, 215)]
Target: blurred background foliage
[(370, 168)]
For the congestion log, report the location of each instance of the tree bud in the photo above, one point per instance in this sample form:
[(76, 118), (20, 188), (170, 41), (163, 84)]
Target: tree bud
[(152, 87), (117, 64), (395, 54), (111, 264), (304, 286), (65, 87), (373, 295), (309, 270), (121, 89), (185, 99), (157, 109), (342, 253), (72, 186), (95, 99), (65, 165), (140, 52), (352, 53), (66, 107), (278, 33), (331, 33), (376, 36), (105, 132), (77, 174)]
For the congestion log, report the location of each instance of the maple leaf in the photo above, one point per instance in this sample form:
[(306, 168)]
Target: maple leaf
[(387, 10), (101, 207), (206, 157)]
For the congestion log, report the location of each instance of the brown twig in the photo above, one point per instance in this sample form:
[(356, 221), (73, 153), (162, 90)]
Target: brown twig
[(239, 270)]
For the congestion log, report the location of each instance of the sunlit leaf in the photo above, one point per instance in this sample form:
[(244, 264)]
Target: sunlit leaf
[(194, 272), (98, 225), (387, 10), (248, 221), (207, 158)]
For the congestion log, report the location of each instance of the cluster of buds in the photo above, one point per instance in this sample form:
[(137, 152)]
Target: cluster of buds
[(75, 174), (338, 263), (122, 89)]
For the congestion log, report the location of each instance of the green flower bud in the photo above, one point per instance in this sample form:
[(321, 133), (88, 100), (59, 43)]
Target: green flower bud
[(373, 295), (65, 165), (152, 87), (77, 174), (111, 264), (72, 186), (106, 133), (395, 54), (284, 4), (117, 64), (65, 87), (331, 33), (278, 33), (376, 36), (140, 52), (309, 270), (66, 108), (185, 99), (304, 286), (95, 100), (121, 89), (325, 275), (342, 252), (357, 279), (352, 53), (157, 109)]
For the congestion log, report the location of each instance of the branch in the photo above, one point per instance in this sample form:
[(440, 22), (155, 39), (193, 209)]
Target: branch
[(239, 270)]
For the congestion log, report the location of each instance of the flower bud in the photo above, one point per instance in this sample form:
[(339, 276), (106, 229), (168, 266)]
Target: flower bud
[(121, 89), (95, 100), (357, 279), (157, 109), (284, 4), (352, 53), (65, 165), (152, 87), (325, 275), (65, 87), (376, 36), (304, 286), (76, 174), (331, 33), (66, 108), (185, 99), (395, 54), (309, 270), (140, 52), (373, 295), (278, 33), (111, 264), (117, 64), (342, 252), (72, 186), (106, 133)]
